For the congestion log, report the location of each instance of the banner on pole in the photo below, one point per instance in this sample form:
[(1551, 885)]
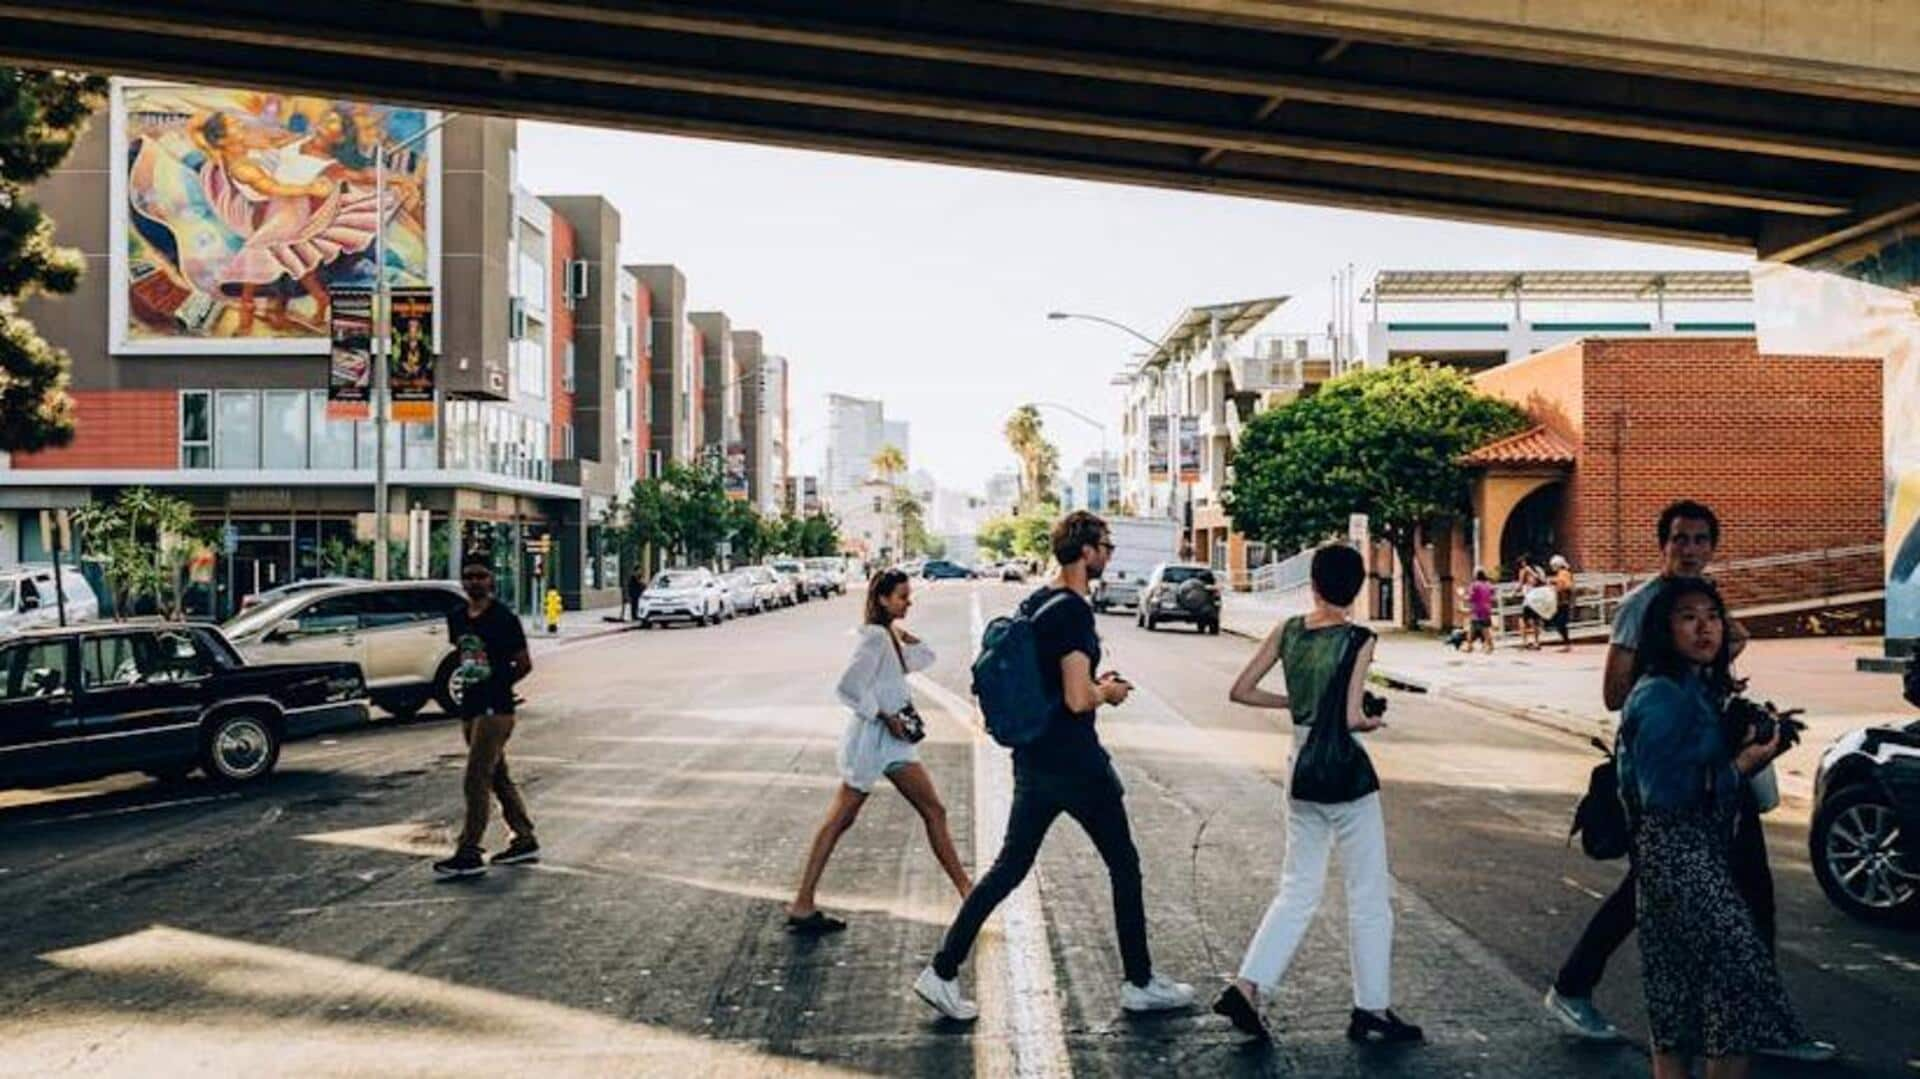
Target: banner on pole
[(410, 360), (350, 369), (1189, 449), (1159, 448)]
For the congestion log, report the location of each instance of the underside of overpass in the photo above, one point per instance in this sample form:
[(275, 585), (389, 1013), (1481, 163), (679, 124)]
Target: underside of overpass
[(1789, 129)]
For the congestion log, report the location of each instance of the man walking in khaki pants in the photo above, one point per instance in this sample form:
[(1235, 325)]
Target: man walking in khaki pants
[(492, 648)]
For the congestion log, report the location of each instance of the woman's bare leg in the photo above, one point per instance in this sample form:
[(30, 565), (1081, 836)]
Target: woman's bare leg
[(916, 783), (840, 817)]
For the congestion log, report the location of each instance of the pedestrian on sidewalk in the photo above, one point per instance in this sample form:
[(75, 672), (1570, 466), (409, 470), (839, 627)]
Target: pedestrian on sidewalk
[(1562, 582), (1528, 577), (1479, 597), (1688, 534), (882, 739), (492, 647), (636, 586), (1065, 770), (1712, 987), (1309, 649)]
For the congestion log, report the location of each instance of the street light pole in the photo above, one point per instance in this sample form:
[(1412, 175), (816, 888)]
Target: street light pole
[(382, 341)]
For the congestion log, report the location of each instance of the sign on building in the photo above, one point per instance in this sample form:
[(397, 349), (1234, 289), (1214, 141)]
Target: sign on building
[(350, 367), (1189, 449), (1159, 448), (410, 361)]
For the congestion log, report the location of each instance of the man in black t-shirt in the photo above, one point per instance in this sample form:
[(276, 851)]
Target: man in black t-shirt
[(492, 647), (1065, 770)]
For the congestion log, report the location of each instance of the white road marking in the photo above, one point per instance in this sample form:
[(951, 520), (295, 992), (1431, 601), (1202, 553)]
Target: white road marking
[(1579, 887), (1020, 1030), (124, 810)]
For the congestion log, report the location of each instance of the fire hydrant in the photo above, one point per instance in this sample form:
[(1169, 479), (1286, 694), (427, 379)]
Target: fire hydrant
[(553, 610)]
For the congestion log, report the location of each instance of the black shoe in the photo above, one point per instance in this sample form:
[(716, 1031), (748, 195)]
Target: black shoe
[(522, 850), (1240, 1011), (1386, 1026), (817, 924), (465, 862)]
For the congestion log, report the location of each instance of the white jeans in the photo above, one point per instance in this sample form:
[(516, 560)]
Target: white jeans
[(1312, 832)]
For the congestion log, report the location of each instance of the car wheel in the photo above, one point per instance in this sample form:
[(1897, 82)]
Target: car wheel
[(446, 685), (401, 706), (1853, 848), (240, 747)]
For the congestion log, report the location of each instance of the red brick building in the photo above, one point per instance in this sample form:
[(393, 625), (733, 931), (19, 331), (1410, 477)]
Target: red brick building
[(1786, 449)]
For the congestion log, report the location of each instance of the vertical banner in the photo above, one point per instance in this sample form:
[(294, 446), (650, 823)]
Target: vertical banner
[(1189, 449), (1159, 448), (350, 367), (410, 363), (735, 477), (1096, 491)]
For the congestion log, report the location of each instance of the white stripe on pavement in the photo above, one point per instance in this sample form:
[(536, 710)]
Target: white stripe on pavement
[(1021, 1032)]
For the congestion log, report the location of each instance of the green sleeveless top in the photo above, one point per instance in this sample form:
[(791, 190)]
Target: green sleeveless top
[(1308, 658)]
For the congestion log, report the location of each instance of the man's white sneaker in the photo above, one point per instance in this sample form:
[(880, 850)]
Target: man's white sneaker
[(943, 996), (1159, 995)]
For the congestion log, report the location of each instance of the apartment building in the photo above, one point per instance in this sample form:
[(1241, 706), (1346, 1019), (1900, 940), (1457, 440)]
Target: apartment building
[(674, 413)]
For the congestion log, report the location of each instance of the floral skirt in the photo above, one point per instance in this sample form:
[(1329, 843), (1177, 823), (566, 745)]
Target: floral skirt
[(1712, 986)]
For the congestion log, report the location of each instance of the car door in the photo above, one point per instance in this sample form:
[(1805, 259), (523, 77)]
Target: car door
[(139, 701), (405, 635), (39, 731), (324, 630)]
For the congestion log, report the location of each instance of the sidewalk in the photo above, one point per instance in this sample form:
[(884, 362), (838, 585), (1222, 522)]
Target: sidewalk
[(579, 625), (1562, 690)]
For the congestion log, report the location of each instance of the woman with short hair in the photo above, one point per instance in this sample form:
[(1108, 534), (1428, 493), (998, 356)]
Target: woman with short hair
[(881, 739)]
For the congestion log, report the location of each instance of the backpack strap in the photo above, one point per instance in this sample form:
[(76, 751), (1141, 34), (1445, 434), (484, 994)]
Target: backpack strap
[(1058, 596)]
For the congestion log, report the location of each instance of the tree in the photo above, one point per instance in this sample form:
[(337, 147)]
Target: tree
[(1026, 535), (888, 463), (748, 533), (996, 537), (1385, 442), (145, 542), (913, 527), (1039, 459), (42, 114)]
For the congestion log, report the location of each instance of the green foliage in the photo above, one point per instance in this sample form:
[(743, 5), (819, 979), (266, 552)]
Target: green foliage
[(1039, 459), (352, 558), (144, 541), (889, 463), (913, 527), (1026, 535), (1385, 442), (42, 114)]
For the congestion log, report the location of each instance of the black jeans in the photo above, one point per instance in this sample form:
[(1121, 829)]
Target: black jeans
[(1095, 801), (1614, 921)]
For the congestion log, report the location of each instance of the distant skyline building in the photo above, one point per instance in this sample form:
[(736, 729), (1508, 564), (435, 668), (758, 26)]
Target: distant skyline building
[(857, 427)]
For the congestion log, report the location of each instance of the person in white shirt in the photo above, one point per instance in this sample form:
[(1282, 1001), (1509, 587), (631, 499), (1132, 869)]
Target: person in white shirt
[(881, 740)]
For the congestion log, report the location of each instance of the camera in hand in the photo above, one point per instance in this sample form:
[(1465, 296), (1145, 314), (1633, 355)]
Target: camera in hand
[(1372, 705), (916, 727), (1748, 722)]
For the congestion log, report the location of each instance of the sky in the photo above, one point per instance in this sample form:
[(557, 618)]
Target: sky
[(927, 286)]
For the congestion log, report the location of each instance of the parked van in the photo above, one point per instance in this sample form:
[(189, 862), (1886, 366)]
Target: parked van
[(27, 597)]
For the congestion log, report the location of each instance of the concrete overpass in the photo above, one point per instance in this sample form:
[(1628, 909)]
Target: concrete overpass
[(1786, 127)]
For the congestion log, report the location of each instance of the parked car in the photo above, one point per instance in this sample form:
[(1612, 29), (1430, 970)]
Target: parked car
[(28, 599), (743, 593), (1864, 842), (939, 569), (294, 588), (1180, 592), (395, 631), (157, 697), (767, 592), (683, 595), (786, 590), (833, 571), (805, 588), (1011, 571)]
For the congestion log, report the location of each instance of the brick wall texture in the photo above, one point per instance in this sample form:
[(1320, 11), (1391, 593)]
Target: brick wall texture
[(1786, 449), (117, 429), (559, 254)]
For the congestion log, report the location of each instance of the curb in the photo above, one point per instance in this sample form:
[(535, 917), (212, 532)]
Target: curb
[(570, 638)]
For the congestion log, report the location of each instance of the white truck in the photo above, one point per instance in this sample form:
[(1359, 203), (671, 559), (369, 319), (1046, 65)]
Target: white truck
[(1139, 544)]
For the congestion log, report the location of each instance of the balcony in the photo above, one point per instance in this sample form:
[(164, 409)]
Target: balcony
[(1287, 364)]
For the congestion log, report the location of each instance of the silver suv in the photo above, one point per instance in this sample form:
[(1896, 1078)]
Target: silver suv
[(395, 630)]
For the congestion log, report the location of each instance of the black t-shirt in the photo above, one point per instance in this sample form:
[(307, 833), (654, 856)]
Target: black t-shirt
[(1070, 744), (486, 646)]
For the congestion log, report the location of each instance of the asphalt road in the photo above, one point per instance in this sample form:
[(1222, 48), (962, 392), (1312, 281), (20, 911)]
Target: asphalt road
[(677, 776)]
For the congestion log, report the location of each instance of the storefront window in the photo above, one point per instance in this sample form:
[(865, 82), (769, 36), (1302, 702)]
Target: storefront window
[(332, 445), (237, 429), (196, 429), (420, 445), (285, 445)]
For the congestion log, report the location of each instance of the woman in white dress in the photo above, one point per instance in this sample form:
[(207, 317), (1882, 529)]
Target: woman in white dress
[(880, 741)]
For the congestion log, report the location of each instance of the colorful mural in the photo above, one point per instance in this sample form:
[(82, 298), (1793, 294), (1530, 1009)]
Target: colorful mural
[(242, 210)]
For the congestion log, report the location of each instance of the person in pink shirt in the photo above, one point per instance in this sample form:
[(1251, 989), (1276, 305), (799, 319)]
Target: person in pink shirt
[(1480, 609)]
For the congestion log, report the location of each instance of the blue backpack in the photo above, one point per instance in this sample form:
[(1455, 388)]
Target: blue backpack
[(1007, 679)]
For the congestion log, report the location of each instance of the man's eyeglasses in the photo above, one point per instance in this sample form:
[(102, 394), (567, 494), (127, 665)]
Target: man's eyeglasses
[(1105, 546)]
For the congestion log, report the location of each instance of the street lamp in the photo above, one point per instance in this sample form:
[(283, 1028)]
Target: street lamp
[(382, 340), (1057, 316)]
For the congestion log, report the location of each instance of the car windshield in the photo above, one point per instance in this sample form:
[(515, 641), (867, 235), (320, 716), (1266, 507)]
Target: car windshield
[(828, 564), (680, 579), (253, 621), (1176, 574), (787, 567)]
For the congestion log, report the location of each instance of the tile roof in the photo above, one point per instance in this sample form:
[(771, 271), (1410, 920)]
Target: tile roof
[(1534, 446)]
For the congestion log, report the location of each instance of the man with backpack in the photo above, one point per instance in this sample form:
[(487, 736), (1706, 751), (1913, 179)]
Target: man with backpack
[(1059, 767), (1688, 533)]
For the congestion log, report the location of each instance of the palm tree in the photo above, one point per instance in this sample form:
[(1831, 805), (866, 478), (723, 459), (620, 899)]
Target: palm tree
[(889, 463), (1039, 459)]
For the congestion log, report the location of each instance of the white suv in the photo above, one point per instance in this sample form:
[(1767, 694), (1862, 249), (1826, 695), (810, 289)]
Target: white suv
[(396, 631), (683, 595)]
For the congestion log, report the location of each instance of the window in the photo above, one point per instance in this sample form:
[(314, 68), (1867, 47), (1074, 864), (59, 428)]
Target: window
[(236, 440), (419, 445), (566, 371), (285, 445), (332, 441), (566, 442), (110, 661), (530, 362), (34, 670), (533, 272), (336, 614), (174, 656), (196, 429), (364, 439)]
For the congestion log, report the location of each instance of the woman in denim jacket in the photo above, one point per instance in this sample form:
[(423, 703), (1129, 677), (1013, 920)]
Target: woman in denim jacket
[(1712, 987)]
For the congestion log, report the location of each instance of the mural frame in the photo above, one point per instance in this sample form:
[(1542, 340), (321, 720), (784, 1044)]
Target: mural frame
[(119, 343)]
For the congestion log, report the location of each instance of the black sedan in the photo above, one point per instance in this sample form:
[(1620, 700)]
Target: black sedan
[(162, 698), (939, 569), (1865, 838)]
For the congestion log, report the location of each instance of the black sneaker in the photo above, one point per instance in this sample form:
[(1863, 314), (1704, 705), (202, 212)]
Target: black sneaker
[(465, 862), (1385, 1026), (522, 850)]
